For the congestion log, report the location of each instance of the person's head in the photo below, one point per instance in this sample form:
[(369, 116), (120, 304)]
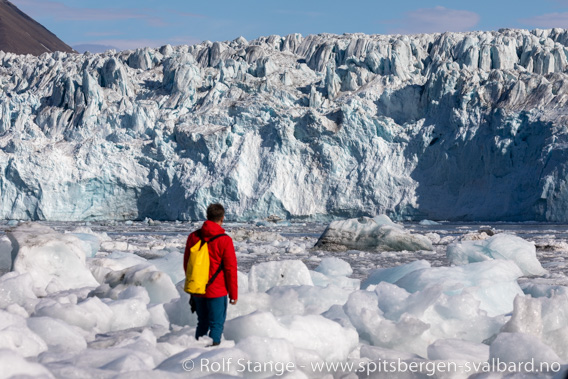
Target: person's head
[(216, 213)]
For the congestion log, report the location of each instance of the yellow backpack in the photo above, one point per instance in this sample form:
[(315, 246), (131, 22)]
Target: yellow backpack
[(197, 270)]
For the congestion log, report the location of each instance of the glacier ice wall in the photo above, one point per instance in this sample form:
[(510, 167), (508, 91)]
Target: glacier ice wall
[(460, 126)]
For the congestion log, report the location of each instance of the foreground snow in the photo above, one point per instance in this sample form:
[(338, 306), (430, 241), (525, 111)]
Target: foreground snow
[(126, 315)]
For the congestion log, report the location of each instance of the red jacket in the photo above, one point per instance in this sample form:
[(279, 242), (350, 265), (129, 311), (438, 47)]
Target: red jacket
[(220, 250)]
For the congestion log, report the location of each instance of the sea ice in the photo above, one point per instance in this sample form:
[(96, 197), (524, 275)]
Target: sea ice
[(55, 261), (384, 220), (322, 280), (367, 234), (58, 335), (130, 292), (493, 283), (254, 301), (93, 243), (544, 318), (334, 271), (250, 235), (313, 332), (91, 314), (128, 313), (334, 267), (456, 349), (206, 362), (428, 222), (15, 335), (136, 323), (158, 316), (175, 363), (543, 290), (171, 264), (178, 310), (5, 254), (266, 275), (242, 282), (15, 366), (306, 299), (115, 261), (116, 245), (499, 246), (522, 349), (158, 284), (263, 350), (111, 359), (394, 319), (17, 289), (392, 274)]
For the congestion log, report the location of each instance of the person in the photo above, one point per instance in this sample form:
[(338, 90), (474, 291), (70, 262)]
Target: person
[(211, 307)]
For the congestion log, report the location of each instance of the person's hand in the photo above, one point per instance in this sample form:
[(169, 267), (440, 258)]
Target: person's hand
[(233, 301)]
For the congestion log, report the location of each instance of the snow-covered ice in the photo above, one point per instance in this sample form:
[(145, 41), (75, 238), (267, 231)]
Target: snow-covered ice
[(55, 261), (492, 283), (14, 365), (270, 274), (299, 305), (500, 246), (5, 254)]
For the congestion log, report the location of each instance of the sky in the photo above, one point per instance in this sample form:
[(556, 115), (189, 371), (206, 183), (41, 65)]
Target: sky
[(130, 24)]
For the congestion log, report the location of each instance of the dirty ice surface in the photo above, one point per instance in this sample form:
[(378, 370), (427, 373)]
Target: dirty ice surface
[(104, 300)]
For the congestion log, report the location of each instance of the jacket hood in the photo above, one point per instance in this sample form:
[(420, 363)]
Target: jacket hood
[(211, 229)]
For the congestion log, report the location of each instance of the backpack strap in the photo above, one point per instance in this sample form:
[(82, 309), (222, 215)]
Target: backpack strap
[(212, 238), (201, 240), (215, 275), (220, 265)]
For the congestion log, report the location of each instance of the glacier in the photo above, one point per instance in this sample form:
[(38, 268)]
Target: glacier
[(453, 126)]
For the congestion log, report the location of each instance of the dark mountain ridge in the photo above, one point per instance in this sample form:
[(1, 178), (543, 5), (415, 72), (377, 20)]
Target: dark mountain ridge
[(20, 34)]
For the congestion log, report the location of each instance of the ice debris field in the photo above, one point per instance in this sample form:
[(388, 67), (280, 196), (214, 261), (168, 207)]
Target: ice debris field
[(356, 298)]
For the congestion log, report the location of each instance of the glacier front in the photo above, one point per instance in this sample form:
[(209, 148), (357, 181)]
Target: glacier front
[(457, 126)]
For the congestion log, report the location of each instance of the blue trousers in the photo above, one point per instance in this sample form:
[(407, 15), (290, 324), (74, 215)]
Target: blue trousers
[(211, 315)]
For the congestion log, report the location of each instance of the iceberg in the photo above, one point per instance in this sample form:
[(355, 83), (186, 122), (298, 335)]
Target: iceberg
[(500, 246), (16, 336), (522, 349), (492, 283), (159, 285), (58, 335), (5, 254), (55, 261), (544, 319), (16, 365), (328, 339), (367, 234), (92, 314), (454, 349), (393, 274), (334, 271), (17, 289), (266, 275)]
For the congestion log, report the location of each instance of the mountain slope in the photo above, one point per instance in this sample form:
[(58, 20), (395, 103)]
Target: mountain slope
[(456, 126), (20, 34)]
